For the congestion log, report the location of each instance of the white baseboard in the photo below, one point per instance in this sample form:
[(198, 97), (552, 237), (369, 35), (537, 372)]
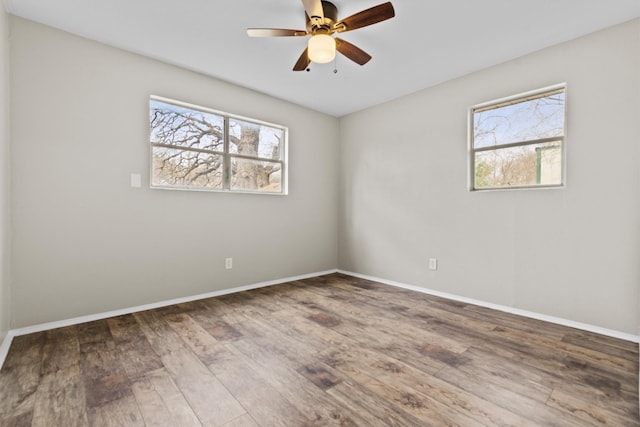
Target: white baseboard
[(4, 347), (503, 308), (6, 343), (99, 316)]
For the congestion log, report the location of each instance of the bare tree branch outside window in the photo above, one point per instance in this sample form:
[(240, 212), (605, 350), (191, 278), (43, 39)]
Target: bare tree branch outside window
[(195, 148)]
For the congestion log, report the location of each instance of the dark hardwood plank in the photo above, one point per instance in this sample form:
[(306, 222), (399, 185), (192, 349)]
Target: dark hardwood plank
[(429, 390), (22, 420), (60, 399), (159, 384), (152, 408), (211, 401), (304, 394), (243, 421), (254, 392), (125, 328), (600, 344), (140, 358), (497, 370), (375, 409), (327, 351), (104, 375), (25, 350), (61, 350), (156, 331), (93, 332), (500, 392), (550, 361), (607, 396), (196, 338), (117, 413), (20, 377), (586, 411)]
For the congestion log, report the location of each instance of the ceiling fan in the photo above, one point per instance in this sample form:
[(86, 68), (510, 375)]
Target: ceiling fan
[(322, 22)]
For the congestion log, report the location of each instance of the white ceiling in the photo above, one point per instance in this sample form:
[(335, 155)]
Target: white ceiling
[(428, 42)]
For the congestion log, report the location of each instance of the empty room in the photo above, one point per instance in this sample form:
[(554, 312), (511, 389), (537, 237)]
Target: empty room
[(319, 213)]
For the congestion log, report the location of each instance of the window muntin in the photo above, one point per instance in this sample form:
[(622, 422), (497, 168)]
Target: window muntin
[(519, 141), (197, 148)]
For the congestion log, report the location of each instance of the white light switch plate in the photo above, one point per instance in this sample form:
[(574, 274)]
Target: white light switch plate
[(136, 180)]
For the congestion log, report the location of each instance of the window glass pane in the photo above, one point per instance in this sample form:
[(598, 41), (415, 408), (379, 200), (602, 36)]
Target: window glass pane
[(181, 168), (535, 164), (254, 139), (194, 148), (256, 175), (528, 120), (185, 127)]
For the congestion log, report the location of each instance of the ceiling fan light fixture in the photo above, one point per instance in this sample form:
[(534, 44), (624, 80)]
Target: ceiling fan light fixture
[(322, 48), (321, 17)]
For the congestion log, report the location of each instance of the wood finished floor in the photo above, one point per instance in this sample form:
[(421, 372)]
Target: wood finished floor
[(328, 351)]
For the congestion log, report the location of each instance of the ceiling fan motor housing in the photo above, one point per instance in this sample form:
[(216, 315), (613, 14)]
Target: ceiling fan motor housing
[(319, 25), (322, 22)]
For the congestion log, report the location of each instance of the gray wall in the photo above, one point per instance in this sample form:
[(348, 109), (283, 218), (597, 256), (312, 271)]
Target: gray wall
[(84, 242), (571, 253), (4, 173)]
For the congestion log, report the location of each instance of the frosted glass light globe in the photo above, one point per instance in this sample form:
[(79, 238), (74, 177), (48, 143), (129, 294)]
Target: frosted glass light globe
[(322, 48)]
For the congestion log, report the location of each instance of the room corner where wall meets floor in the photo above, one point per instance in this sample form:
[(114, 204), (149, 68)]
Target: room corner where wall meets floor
[(5, 345), (570, 252), (507, 309), (321, 350), (100, 243)]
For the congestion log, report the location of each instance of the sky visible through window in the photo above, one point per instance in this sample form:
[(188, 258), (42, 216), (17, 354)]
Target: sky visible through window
[(529, 120)]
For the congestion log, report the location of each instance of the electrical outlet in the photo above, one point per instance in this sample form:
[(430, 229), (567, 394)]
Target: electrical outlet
[(433, 264), (228, 263)]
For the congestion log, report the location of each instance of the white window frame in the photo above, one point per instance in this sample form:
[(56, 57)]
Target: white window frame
[(226, 155), (506, 101)]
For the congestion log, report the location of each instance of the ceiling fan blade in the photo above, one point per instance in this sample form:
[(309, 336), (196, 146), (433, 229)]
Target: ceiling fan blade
[(376, 14), (274, 32), (352, 52), (303, 61), (313, 9)]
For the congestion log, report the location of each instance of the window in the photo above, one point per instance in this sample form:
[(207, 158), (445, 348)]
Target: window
[(196, 148), (518, 142)]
